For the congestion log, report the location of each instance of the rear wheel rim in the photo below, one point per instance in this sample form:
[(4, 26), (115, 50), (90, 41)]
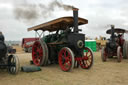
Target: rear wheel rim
[(46, 52), (124, 50), (87, 60), (103, 54), (66, 59), (37, 53), (119, 54)]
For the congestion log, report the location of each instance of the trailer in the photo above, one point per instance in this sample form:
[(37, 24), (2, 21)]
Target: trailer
[(27, 44)]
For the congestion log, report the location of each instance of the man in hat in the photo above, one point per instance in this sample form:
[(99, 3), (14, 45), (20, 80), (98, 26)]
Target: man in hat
[(1, 36)]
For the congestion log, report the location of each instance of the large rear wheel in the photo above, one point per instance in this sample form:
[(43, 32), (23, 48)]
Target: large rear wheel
[(103, 54), (87, 59), (127, 49), (119, 54), (38, 54), (124, 50), (46, 51), (66, 59)]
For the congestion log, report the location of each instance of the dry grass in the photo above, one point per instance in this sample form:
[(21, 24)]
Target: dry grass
[(19, 49), (102, 73)]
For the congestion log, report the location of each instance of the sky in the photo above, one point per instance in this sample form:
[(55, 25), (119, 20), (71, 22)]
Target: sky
[(99, 13)]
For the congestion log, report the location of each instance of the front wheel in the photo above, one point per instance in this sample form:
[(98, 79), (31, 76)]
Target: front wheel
[(66, 59), (13, 64), (87, 59)]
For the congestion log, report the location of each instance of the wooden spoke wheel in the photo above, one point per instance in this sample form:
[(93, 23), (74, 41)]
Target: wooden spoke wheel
[(38, 54), (119, 54), (13, 64), (87, 59), (66, 59), (103, 54)]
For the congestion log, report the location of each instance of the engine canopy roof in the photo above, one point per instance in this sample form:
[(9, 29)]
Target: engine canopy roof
[(58, 24), (117, 30)]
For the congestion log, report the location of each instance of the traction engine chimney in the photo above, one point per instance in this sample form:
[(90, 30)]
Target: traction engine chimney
[(112, 32), (75, 18)]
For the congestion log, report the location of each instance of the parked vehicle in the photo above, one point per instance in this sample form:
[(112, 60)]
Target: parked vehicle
[(27, 44), (10, 49), (115, 45)]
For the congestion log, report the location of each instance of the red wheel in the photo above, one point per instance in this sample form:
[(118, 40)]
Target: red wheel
[(87, 60), (119, 54), (103, 55), (38, 53), (66, 59)]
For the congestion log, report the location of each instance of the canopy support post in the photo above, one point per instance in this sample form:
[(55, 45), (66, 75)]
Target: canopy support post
[(39, 34)]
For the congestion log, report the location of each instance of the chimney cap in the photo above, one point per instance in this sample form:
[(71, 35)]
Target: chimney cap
[(75, 9), (0, 32)]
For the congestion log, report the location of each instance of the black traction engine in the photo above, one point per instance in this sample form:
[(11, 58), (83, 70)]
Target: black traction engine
[(114, 45), (8, 61)]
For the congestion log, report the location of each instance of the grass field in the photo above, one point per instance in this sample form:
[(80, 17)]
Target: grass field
[(101, 73)]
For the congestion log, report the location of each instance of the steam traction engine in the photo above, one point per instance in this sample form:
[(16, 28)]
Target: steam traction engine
[(8, 61), (65, 45), (115, 44)]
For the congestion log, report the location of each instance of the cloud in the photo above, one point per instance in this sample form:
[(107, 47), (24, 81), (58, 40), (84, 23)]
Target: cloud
[(28, 12), (103, 13), (100, 14), (6, 6)]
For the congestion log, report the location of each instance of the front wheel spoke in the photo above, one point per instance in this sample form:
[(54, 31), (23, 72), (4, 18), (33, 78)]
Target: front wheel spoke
[(89, 60), (86, 63), (89, 55), (86, 53), (82, 62)]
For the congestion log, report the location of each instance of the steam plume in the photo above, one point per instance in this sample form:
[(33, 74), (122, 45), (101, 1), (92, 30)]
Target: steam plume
[(31, 12)]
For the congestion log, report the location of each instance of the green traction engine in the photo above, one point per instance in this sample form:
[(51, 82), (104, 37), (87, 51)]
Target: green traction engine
[(64, 45)]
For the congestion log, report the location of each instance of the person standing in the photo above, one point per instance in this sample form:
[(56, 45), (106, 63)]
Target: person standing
[(1, 36)]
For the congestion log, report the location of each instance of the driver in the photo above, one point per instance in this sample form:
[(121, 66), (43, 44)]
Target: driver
[(1, 36)]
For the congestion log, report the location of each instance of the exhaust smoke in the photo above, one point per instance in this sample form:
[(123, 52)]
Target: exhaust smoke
[(32, 11)]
